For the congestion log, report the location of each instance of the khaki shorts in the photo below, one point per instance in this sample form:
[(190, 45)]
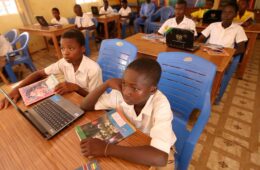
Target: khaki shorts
[(170, 165)]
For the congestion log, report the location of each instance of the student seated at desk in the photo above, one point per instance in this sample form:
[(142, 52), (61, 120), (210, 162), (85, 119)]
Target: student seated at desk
[(226, 33), (82, 20), (180, 20), (198, 15), (106, 9), (81, 74), (57, 18), (136, 94), (147, 9), (244, 17)]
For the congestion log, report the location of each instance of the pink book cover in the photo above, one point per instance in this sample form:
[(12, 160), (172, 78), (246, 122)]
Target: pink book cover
[(35, 92)]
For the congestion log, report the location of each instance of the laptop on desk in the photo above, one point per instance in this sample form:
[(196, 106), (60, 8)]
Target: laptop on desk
[(42, 21), (181, 38), (51, 115), (211, 16)]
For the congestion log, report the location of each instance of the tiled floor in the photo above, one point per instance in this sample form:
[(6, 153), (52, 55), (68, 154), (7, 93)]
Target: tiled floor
[(231, 139)]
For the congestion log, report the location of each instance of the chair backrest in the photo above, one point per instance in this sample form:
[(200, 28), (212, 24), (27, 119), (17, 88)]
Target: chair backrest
[(163, 14), (114, 56), (11, 35), (23, 40), (186, 81), (71, 20)]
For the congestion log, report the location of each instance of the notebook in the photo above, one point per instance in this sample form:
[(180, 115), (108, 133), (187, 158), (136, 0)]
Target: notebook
[(212, 16), (42, 21), (181, 38), (51, 115)]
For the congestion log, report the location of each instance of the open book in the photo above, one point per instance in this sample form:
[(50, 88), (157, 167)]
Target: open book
[(111, 127), (38, 90)]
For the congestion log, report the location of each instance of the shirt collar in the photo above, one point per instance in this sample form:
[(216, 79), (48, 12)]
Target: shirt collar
[(81, 66), (183, 21)]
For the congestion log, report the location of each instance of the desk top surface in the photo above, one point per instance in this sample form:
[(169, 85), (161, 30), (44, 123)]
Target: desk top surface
[(46, 29), (151, 48), (22, 146)]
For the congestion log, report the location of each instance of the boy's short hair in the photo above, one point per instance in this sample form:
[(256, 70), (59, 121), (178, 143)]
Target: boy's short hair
[(124, 1), (55, 9), (75, 34), (181, 2), (148, 67), (233, 5)]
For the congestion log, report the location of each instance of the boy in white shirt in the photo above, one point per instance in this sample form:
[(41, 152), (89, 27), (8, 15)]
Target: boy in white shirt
[(81, 74), (82, 20), (226, 33), (137, 96), (57, 18), (106, 9), (124, 13), (180, 20)]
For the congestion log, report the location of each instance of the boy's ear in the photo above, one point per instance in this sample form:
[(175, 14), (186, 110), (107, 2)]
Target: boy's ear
[(153, 89), (83, 49)]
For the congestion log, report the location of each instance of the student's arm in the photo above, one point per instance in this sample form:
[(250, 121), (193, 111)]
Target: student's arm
[(66, 87), (151, 10), (15, 95), (201, 39), (240, 49), (146, 155), (91, 99)]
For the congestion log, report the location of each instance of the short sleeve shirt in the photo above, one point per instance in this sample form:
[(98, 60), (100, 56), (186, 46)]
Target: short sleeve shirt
[(62, 21), (125, 12), (108, 11), (225, 37), (155, 119), (5, 46), (185, 24), (88, 76), (84, 21)]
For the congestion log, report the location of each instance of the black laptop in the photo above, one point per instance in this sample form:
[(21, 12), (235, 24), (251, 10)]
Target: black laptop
[(42, 21), (181, 38), (211, 16), (51, 115), (95, 11)]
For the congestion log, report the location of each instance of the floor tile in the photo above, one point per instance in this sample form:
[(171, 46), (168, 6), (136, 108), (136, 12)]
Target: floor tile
[(228, 146), (255, 158), (214, 118), (244, 103), (237, 127), (246, 84), (241, 114), (245, 93), (238, 140)]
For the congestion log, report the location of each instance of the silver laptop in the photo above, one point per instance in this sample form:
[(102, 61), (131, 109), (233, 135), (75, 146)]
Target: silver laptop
[(51, 115)]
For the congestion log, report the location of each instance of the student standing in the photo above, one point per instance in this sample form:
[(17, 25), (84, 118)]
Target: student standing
[(180, 20), (81, 74), (136, 94)]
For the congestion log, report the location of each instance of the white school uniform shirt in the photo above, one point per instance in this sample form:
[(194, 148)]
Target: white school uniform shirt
[(84, 21), (224, 37), (5, 46), (108, 11), (88, 76), (125, 12), (186, 23), (155, 119), (62, 21)]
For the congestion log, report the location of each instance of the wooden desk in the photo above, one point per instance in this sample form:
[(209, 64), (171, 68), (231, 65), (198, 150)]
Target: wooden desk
[(251, 32), (105, 19), (22, 146), (51, 32), (149, 48)]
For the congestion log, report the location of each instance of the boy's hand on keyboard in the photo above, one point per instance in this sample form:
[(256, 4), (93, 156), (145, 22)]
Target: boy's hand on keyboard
[(115, 83), (14, 95), (92, 147), (66, 87)]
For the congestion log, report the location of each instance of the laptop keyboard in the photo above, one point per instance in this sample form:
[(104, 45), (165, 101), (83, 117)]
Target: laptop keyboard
[(53, 114)]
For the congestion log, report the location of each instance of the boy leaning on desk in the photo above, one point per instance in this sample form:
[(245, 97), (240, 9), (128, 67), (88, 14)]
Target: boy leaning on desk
[(136, 94), (81, 74)]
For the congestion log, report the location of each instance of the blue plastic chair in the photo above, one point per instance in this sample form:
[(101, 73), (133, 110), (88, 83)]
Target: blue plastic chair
[(90, 35), (227, 77), (19, 56), (114, 56), (162, 15), (186, 81), (11, 37), (71, 20)]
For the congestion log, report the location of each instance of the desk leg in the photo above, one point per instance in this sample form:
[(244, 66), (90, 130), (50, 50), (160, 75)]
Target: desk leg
[(106, 30), (46, 43), (216, 86), (249, 52), (56, 45), (118, 28)]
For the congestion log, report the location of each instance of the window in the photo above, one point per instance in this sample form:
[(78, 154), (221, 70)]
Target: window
[(85, 1), (7, 7)]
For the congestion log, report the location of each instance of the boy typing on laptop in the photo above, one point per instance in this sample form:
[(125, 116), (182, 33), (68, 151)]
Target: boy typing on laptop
[(180, 20), (81, 74), (136, 94)]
